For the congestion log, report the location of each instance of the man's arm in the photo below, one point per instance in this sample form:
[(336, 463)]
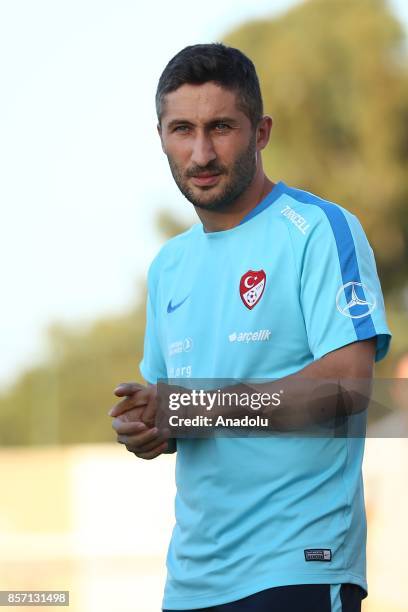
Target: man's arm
[(338, 384), (355, 360)]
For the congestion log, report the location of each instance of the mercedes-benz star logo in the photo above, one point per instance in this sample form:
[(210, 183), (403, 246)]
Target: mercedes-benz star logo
[(355, 300)]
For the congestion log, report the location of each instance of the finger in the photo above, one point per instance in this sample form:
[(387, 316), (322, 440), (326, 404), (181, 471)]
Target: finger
[(151, 444), (140, 439), (139, 398), (128, 427), (127, 404), (149, 414), (133, 415), (153, 453), (145, 448), (127, 388)]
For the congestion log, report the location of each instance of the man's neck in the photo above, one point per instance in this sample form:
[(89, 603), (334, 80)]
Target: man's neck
[(216, 221)]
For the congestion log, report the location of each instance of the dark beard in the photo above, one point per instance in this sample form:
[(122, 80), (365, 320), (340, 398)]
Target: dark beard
[(242, 174)]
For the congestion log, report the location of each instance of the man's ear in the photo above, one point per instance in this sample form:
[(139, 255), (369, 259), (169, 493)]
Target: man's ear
[(264, 132), (159, 131)]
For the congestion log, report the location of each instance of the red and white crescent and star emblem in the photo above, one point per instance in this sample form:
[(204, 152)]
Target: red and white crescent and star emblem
[(251, 287)]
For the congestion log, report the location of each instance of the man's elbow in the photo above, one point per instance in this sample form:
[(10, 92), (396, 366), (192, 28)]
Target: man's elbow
[(354, 395)]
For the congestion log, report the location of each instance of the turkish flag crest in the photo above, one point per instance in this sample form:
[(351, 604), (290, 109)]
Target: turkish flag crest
[(251, 287)]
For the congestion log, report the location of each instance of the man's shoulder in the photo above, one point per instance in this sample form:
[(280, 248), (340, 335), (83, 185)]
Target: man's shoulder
[(315, 206), (308, 215)]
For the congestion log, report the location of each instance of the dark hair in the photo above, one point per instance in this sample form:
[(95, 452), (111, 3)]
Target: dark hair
[(216, 62)]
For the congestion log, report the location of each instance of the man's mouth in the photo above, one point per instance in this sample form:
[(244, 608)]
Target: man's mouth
[(206, 178)]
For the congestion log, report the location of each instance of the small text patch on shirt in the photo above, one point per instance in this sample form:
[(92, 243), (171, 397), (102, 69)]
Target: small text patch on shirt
[(318, 554)]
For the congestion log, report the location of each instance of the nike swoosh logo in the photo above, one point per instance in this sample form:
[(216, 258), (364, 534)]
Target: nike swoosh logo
[(171, 308)]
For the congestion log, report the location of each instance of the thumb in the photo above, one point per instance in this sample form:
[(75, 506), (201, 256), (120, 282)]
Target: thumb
[(127, 389)]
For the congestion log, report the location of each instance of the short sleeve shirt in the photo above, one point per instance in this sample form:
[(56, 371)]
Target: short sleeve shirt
[(293, 281)]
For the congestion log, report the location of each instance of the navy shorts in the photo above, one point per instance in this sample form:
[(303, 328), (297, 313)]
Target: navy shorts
[(295, 598)]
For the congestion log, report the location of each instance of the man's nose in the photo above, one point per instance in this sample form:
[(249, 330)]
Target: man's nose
[(203, 150)]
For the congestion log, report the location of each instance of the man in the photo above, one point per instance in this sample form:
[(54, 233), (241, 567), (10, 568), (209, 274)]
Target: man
[(273, 282)]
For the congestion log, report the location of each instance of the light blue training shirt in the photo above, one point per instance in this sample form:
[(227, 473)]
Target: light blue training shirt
[(293, 281)]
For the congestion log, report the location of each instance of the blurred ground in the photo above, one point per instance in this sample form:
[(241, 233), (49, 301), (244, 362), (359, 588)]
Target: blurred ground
[(96, 521)]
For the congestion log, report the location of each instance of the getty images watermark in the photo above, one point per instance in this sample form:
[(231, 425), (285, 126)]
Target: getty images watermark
[(214, 400), (290, 406)]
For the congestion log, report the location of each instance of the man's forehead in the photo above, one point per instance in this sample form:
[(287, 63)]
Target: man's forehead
[(200, 102)]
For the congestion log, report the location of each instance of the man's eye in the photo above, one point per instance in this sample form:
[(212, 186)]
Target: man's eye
[(221, 126), (181, 128)]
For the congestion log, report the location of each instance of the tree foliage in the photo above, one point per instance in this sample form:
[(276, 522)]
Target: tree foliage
[(66, 398)]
